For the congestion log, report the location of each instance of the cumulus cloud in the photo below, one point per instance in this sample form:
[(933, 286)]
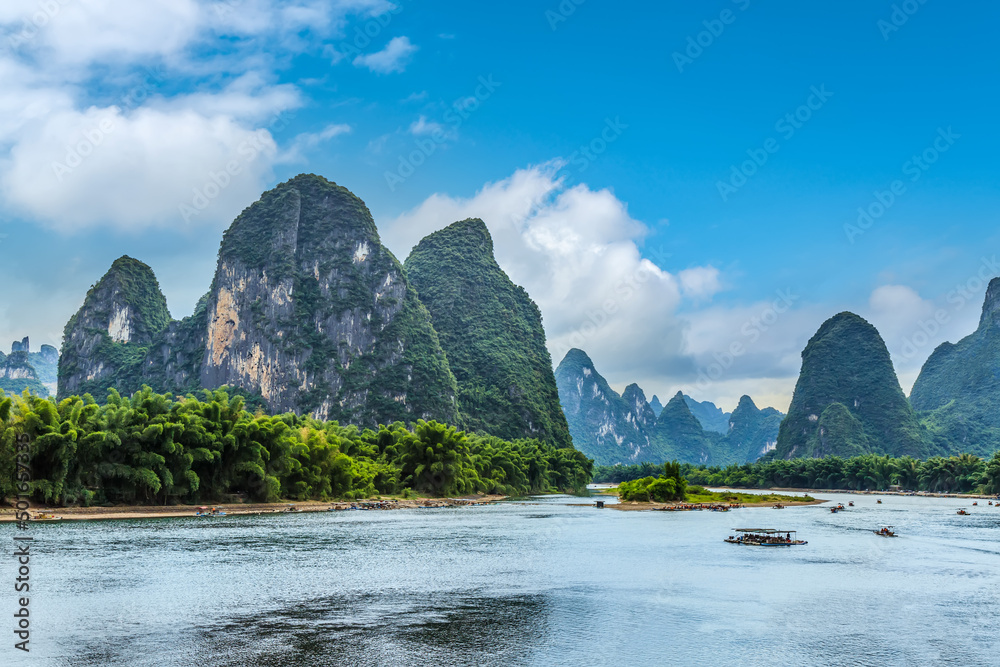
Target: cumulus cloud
[(575, 250), (912, 325), (393, 58), (138, 155), (701, 282)]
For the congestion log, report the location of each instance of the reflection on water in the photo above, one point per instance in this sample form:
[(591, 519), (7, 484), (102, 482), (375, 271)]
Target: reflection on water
[(549, 581)]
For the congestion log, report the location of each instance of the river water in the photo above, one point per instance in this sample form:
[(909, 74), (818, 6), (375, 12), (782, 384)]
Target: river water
[(546, 581)]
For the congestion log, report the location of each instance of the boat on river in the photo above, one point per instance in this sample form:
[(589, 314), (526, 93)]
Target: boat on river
[(838, 508), (765, 537), (47, 517), (963, 512), (205, 511), (885, 531)]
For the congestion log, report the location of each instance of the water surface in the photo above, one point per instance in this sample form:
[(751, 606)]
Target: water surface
[(546, 581)]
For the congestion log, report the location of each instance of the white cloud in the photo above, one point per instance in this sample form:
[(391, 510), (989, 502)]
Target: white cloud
[(701, 282), (135, 156), (393, 58), (575, 251), (422, 126), (132, 170)]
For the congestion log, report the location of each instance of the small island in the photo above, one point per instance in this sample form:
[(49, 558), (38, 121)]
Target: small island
[(670, 491)]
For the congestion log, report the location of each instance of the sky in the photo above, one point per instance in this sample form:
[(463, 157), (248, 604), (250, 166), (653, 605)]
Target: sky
[(687, 190)]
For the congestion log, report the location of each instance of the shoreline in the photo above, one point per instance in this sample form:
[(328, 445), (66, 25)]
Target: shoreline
[(914, 494), (635, 506), (7, 514)]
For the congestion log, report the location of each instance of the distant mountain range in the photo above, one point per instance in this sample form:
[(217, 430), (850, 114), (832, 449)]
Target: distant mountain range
[(625, 429), (23, 369), (308, 312)]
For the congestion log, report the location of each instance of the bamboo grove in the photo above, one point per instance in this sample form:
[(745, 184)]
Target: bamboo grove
[(954, 474), (156, 448)]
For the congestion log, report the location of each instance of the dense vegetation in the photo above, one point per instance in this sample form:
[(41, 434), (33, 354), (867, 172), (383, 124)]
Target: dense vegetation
[(954, 474), (671, 485), (847, 400), (492, 332), (958, 387), (155, 448)]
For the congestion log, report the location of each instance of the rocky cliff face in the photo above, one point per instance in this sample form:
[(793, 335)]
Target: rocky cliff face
[(308, 308), (602, 422), (17, 372), (846, 362), (307, 311), (960, 383), (492, 332), (752, 432), (105, 343), (625, 429)]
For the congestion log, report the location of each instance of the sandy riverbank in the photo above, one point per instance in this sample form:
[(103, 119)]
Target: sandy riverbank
[(161, 512)]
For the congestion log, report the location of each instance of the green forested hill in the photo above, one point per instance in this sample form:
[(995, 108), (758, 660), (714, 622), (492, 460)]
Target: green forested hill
[(492, 333), (847, 400), (679, 435), (958, 389), (105, 342)]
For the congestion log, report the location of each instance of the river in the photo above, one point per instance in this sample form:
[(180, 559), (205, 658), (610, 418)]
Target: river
[(545, 581)]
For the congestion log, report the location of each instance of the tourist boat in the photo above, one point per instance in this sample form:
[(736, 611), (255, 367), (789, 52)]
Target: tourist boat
[(765, 537), (850, 504), (838, 508), (779, 506), (878, 502), (975, 504), (205, 511), (885, 531), (962, 512), (47, 517)]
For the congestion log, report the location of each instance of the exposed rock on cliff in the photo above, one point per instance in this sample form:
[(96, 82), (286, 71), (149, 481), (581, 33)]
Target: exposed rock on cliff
[(105, 343), (308, 308), (602, 422), (492, 332), (307, 311)]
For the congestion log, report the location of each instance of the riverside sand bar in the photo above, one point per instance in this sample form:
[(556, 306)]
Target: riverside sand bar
[(238, 509)]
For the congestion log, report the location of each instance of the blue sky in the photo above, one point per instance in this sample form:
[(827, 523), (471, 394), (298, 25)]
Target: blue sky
[(598, 141)]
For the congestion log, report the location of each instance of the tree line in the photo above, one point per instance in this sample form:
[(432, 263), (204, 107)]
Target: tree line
[(954, 474), (152, 448)]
